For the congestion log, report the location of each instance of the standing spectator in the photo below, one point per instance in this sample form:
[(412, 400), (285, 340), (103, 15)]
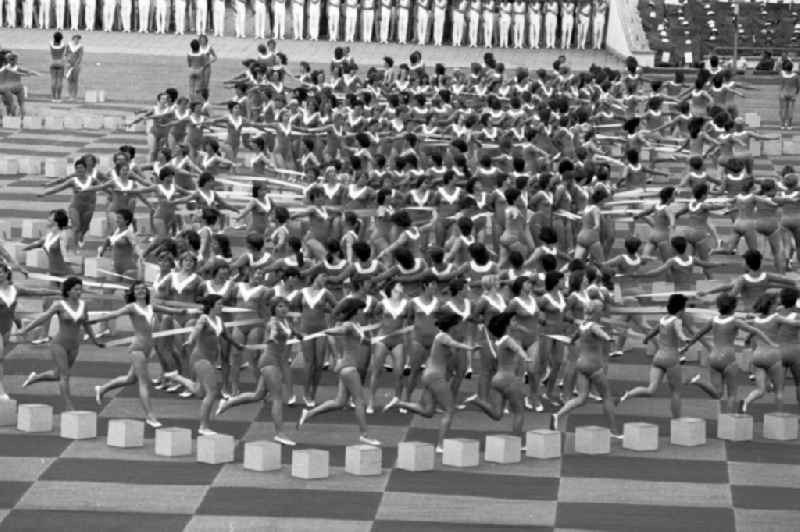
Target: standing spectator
[(240, 18), (367, 19), (403, 7), (314, 10), (201, 16), (180, 16), (534, 23), (474, 22), (519, 23), (459, 14), (298, 19), (44, 14), (350, 20), (279, 10), (423, 9), (260, 22), (126, 11), (550, 23), (333, 12), (600, 16), (386, 21), (144, 15)]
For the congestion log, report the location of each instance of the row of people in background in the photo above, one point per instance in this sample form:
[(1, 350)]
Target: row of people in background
[(519, 23)]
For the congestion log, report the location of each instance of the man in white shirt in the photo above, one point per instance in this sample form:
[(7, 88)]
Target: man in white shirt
[(44, 14), (279, 10), (298, 18), (386, 21), (439, 12), (423, 10), (333, 12), (260, 22), (314, 10), (144, 16), (367, 19), (350, 20), (239, 20), (219, 17), (109, 10)]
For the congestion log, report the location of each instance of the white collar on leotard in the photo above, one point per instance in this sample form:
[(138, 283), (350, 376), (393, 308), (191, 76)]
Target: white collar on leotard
[(75, 314)]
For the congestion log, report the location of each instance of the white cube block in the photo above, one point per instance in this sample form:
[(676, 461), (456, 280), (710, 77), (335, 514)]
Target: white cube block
[(363, 460), (592, 439), (687, 431), (310, 464), (780, 426), (543, 444), (35, 418), (8, 412), (752, 119), (125, 433), (96, 266), (151, 272), (30, 165), (16, 250), (173, 441), (36, 258), (90, 96), (735, 427), (73, 122), (112, 122), (415, 456), (502, 449), (12, 122), (461, 452), (9, 166), (55, 167), (772, 147), (262, 455), (33, 228), (215, 449), (54, 122), (98, 227), (75, 263), (92, 122), (101, 96), (79, 425), (32, 122), (143, 224), (640, 436)]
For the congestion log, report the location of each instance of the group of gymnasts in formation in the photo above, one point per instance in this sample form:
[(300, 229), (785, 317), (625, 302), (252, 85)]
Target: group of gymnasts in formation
[(436, 225)]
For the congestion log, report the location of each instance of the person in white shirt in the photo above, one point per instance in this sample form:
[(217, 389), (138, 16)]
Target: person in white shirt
[(162, 16), (439, 12), (504, 26), (279, 11), (334, 12), (260, 22), (567, 24), (403, 7), (144, 16), (350, 20), (27, 14), (423, 9), (219, 17), (60, 12), (385, 22), (488, 23), (519, 13), (584, 18), (201, 16), (239, 18), (11, 13), (550, 23), (109, 10), (599, 29), (298, 19), (367, 19), (125, 13), (534, 23), (75, 13), (474, 22), (180, 17), (89, 14), (458, 14), (314, 10), (44, 14)]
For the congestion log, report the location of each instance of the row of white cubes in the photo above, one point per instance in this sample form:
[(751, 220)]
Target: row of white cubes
[(55, 167), (72, 121), (412, 456)]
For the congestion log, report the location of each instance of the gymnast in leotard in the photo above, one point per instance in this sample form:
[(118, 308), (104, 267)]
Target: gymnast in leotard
[(722, 359), (72, 317), (143, 319), (436, 390)]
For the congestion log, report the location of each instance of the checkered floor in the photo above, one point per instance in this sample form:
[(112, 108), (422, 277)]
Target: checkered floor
[(49, 483)]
